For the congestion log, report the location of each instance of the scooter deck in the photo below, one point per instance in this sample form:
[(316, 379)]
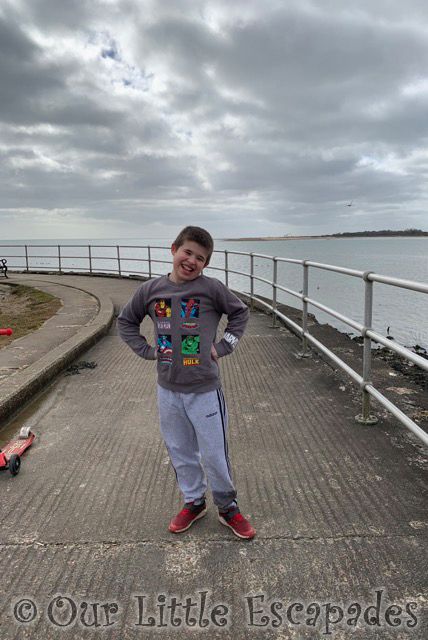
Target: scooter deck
[(17, 446)]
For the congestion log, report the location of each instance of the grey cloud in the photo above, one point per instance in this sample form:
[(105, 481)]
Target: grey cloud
[(275, 114), (23, 76)]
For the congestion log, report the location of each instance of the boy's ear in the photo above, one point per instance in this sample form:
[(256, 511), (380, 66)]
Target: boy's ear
[(173, 248)]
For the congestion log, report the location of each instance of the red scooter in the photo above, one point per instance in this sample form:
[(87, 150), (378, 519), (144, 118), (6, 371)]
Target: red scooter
[(10, 455)]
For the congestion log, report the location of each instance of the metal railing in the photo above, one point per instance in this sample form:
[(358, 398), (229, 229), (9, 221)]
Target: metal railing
[(58, 262)]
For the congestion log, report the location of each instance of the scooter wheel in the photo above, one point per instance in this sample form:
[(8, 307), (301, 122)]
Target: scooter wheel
[(14, 464)]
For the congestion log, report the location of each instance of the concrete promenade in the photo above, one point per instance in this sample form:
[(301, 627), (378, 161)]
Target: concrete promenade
[(340, 509)]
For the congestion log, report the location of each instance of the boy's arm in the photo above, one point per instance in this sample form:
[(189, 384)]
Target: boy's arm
[(237, 318), (128, 325)]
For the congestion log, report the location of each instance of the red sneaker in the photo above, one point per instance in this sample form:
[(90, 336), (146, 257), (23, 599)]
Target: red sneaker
[(187, 516), (240, 526)]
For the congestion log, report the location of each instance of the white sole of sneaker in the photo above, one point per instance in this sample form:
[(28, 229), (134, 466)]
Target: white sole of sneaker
[(226, 524), (200, 515)]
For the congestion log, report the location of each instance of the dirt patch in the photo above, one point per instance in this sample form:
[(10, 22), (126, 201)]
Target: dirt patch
[(24, 309)]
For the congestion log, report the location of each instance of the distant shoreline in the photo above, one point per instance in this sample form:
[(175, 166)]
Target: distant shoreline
[(362, 234), (267, 238)]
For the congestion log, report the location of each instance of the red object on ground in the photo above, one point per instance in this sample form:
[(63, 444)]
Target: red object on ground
[(6, 332), (10, 455)]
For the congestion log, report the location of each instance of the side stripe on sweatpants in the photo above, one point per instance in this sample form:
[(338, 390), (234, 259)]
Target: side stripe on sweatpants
[(223, 413)]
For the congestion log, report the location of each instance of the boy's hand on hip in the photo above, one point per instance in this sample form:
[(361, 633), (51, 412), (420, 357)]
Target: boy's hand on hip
[(214, 354)]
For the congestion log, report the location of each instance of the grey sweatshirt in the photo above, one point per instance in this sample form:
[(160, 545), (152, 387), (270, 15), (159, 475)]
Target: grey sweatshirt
[(185, 318)]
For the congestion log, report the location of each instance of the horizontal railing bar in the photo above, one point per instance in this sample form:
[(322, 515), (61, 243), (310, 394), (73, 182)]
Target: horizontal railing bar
[(351, 373), (289, 322), (131, 246), (352, 323), (290, 260), (235, 253), (72, 269), (92, 257), (64, 246), (284, 318), (239, 273), (63, 257), (13, 255), (402, 351), (67, 246), (100, 270), (122, 259), (397, 282), (290, 291), (160, 261), (242, 253), (87, 258), (262, 255), (420, 433), (331, 267), (38, 256), (215, 268), (260, 279), (109, 258)]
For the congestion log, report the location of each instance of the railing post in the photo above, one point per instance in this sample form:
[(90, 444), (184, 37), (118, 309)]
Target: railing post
[(305, 353), (274, 290), (252, 280), (59, 258), (26, 258), (150, 261), (118, 261), (365, 417), (90, 259), (226, 267)]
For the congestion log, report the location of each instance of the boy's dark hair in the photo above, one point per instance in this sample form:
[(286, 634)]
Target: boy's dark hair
[(196, 234)]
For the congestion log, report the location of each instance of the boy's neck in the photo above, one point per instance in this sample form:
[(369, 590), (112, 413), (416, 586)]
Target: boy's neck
[(173, 278)]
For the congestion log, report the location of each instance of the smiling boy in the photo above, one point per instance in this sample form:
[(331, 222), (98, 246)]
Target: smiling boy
[(192, 408)]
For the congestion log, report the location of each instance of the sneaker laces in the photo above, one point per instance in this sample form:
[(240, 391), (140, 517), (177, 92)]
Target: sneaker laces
[(238, 517), (190, 507)]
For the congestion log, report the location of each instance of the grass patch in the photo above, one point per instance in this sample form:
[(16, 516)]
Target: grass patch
[(24, 309)]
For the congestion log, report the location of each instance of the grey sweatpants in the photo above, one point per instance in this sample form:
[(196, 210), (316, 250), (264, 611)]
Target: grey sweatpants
[(194, 428)]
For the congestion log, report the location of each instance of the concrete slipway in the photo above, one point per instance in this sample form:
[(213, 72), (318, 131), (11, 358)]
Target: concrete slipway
[(340, 509)]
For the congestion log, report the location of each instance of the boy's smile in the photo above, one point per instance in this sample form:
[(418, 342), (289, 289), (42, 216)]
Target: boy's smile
[(189, 259)]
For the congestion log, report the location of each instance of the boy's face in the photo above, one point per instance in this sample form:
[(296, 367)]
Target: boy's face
[(188, 261)]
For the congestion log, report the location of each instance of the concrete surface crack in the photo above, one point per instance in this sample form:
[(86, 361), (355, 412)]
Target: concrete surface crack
[(168, 543)]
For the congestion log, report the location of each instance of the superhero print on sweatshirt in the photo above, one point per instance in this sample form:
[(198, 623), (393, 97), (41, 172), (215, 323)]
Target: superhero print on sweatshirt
[(165, 349), (189, 325), (190, 308), (190, 362), (163, 307), (190, 345)]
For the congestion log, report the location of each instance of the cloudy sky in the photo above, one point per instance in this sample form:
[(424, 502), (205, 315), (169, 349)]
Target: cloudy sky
[(132, 118)]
